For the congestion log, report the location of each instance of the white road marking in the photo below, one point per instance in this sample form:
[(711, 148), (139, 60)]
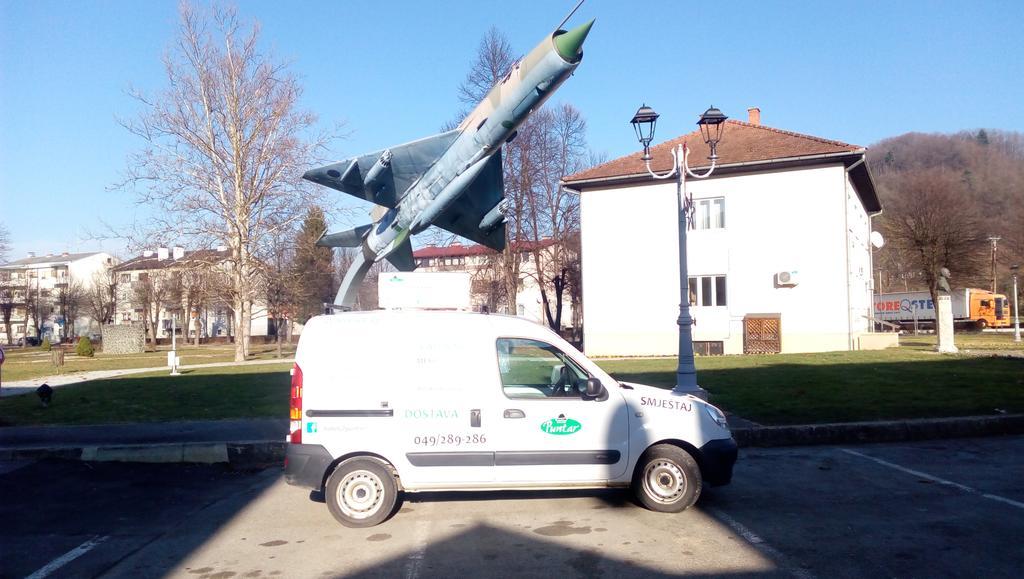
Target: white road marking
[(758, 543), (936, 479), (67, 558), (419, 537)]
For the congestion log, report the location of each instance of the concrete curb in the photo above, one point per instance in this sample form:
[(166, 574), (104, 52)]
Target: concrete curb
[(887, 431), (237, 454), (264, 452)]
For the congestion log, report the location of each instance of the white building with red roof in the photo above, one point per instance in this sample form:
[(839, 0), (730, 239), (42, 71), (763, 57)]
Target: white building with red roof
[(476, 259), (779, 258)]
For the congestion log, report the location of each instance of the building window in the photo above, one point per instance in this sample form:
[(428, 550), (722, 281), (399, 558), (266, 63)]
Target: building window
[(707, 290), (711, 213), (126, 277)]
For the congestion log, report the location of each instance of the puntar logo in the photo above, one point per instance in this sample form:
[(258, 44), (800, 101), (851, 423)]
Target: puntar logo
[(561, 426)]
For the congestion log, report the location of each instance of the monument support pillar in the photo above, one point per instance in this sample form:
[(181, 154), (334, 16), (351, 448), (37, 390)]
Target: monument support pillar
[(944, 325)]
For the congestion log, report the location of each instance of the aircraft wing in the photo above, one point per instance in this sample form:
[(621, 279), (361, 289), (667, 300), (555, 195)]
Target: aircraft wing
[(463, 216), (366, 177)]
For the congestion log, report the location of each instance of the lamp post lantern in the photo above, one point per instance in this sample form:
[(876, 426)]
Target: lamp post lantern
[(1016, 315), (711, 124)]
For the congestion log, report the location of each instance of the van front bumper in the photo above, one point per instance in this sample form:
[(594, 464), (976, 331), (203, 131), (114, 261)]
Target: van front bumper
[(717, 460), (306, 464)]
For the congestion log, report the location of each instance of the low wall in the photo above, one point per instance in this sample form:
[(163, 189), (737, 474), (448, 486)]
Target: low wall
[(123, 339), (878, 341)]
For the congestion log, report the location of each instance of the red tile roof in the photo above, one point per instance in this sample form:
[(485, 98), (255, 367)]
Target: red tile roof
[(741, 143), (458, 250)]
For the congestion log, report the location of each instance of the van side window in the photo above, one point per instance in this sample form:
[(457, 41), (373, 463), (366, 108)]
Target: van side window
[(534, 369)]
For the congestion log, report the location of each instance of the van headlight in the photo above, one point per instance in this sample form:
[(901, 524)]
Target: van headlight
[(717, 415)]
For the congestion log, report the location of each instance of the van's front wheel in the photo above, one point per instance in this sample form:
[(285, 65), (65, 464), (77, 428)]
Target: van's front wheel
[(361, 493), (667, 479)]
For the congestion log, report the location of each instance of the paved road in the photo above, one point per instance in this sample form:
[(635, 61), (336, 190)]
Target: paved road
[(935, 509)]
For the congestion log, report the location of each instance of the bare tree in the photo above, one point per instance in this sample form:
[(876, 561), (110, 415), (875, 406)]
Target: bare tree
[(936, 225), (494, 58), (71, 298), (195, 292), (37, 305), (8, 303), (5, 243), (988, 167), (283, 285), (542, 217), (224, 151), (149, 292), (500, 271), (552, 215), (100, 299)]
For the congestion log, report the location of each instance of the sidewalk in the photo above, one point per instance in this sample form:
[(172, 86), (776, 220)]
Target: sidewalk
[(17, 387), (262, 441), (239, 442)]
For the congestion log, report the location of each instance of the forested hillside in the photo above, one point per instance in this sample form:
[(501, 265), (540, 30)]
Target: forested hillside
[(943, 197)]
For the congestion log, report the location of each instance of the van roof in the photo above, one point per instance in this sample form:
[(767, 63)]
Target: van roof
[(495, 322)]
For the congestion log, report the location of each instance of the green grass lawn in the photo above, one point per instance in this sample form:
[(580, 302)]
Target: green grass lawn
[(905, 382), (200, 394), (26, 363), (968, 341), (846, 386)]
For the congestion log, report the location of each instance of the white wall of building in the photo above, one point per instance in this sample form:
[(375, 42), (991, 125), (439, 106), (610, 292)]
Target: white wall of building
[(775, 221), (44, 278)]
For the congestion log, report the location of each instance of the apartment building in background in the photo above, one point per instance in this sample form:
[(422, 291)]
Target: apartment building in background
[(35, 284)]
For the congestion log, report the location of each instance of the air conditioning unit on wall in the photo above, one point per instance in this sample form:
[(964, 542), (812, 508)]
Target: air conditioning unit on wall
[(787, 279)]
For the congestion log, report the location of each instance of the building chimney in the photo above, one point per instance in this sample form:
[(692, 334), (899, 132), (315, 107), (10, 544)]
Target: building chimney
[(161, 253), (178, 252), (754, 116)]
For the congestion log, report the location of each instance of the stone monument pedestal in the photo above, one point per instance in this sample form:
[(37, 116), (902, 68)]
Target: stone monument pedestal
[(944, 325)]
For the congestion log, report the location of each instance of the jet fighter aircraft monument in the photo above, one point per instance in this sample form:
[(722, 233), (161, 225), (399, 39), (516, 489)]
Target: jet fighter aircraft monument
[(452, 180)]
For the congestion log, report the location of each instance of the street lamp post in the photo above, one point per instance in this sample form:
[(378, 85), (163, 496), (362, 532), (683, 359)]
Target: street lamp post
[(1016, 316), (711, 124)]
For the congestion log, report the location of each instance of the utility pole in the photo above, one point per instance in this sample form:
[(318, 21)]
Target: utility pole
[(995, 241)]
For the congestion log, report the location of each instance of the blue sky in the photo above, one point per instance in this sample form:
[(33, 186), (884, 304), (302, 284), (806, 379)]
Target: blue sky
[(852, 71)]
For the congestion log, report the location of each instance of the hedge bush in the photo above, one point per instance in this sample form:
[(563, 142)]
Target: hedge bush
[(84, 347)]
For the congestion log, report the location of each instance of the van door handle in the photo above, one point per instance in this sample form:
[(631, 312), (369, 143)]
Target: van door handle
[(514, 413)]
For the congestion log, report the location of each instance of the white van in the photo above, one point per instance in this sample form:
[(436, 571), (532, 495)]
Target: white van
[(389, 402)]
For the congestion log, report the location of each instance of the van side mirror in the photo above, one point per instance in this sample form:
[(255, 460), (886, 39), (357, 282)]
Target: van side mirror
[(594, 388)]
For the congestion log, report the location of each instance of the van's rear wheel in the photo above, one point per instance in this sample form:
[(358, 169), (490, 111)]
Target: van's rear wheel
[(361, 493), (667, 479)]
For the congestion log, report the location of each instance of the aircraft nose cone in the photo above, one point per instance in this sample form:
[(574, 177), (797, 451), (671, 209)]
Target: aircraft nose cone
[(570, 44)]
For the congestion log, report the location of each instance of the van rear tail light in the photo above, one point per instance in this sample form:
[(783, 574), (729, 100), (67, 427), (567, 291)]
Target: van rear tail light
[(295, 408)]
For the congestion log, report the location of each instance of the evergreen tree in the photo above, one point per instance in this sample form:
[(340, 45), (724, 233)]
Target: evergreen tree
[(312, 268)]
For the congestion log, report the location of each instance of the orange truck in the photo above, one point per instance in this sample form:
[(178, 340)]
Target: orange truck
[(975, 307)]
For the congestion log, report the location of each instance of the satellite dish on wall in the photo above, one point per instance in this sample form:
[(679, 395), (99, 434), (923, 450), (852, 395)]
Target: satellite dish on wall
[(876, 239)]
